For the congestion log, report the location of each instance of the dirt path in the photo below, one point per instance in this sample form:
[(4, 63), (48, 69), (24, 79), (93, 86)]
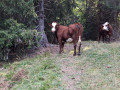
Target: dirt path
[(68, 64), (70, 76)]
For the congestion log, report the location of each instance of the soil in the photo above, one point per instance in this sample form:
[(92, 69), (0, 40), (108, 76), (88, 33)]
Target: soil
[(3, 84)]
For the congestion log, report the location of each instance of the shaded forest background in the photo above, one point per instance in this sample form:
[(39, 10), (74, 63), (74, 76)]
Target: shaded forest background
[(24, 23)]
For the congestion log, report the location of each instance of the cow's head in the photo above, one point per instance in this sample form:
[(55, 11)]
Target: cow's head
[(105, 26), (53, 26)]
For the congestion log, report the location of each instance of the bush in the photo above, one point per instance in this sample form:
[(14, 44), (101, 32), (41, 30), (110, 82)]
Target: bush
[(12, 34)]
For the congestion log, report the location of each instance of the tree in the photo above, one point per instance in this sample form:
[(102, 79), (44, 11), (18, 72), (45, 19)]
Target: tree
[(91, 24), (39, 8), (43, 41)]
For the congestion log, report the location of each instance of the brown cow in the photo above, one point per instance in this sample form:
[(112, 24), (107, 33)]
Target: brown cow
[(105, 31), (71, 33)]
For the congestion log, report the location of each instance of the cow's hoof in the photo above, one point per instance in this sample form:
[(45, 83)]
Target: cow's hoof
[(74, 54), (59, 52), (78, 54)]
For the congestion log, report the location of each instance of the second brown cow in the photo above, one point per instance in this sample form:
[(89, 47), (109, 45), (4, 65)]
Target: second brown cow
[(105, 31), (71, 33)]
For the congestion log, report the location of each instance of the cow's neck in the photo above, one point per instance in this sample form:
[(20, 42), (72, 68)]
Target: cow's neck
[(57, 31)]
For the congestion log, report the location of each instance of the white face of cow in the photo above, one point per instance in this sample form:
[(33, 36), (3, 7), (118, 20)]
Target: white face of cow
[(53, 26), (105, 26)]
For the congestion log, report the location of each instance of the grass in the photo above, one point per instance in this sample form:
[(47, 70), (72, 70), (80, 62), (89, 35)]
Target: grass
[(101, 67), (42, 73), (98, 67)]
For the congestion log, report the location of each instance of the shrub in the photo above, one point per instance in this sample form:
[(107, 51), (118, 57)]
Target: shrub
[(12, 34)]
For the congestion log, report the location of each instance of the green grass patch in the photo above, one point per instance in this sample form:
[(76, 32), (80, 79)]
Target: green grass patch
[(100, 66), (42, 73)]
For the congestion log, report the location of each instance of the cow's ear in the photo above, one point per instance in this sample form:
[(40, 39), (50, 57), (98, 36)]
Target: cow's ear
[(50, 24)]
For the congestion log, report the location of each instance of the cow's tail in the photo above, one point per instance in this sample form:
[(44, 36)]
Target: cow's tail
[(80, 33)]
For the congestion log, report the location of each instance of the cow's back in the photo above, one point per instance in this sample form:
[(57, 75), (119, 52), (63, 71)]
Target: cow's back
[(62, 32), (76, 28), (110, 30)]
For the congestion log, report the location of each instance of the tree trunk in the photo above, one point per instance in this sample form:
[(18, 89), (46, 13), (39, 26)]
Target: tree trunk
[(43, 41), (115, 31)]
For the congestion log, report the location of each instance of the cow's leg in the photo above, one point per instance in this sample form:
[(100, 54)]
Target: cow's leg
[(109, 39), (74, 50), (79, 48), (79, 44), (108, 36), (106, 39), (103, 38), (99, 38), (62, 46), (75, 45)]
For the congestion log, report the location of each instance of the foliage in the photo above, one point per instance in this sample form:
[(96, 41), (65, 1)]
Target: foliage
[(17, 18), (79, 11), (13, 34), (20, 10), (9, 31), (61, 11), (114, 4)]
